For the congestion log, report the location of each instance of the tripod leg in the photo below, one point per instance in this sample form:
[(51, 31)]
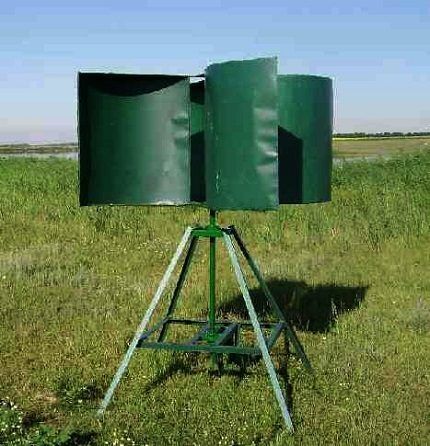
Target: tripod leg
[(259, 334), (127, 357), (179, 285), (291, 334)]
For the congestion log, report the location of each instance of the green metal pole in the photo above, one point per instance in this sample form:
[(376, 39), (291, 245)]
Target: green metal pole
[(212, 276)]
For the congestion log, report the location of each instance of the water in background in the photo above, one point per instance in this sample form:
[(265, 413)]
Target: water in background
[(65, 155)]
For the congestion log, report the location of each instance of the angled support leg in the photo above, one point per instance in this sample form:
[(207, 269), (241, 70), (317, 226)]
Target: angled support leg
[(291, 334), (180, 283), (127, 357), (259, 334)]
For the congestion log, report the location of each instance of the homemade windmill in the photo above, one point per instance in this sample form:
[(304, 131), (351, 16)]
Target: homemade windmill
[(264, 140)]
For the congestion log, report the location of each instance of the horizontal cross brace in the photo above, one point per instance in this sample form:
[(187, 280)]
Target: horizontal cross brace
[(210, 348), (208, 231), (198, 342)]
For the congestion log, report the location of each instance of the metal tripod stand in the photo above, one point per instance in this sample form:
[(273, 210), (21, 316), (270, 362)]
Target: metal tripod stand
[(213, 336)]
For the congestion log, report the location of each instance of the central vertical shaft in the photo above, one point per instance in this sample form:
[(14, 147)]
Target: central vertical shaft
[(212, 272)]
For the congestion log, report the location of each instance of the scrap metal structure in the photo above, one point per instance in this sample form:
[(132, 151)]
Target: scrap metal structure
[(241, 137)]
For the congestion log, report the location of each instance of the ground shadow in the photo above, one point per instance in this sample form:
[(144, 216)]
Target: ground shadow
[(189, 368), (312, 308), (179, 364)]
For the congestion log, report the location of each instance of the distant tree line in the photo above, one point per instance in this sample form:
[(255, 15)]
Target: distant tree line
[(379, 134)]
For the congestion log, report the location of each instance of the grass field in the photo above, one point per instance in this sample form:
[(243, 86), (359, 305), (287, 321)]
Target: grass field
[(352, 274), (378, 147)]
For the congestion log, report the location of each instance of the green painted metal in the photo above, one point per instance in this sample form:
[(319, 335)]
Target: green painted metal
[(290, 333), (259, 334), (197, 99), (242, 138), (227, 334), (199, 335), (200, 342), (134, 139), (155, 139), (161, 324), (208, 231), (305, 138), (224, 336), (208, 348), (245, 323), (197, 162), (241, 135), (182, 276), (212, 334)]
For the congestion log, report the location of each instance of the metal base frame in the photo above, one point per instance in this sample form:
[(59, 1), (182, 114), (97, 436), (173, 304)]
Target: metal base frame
[(214, 336)]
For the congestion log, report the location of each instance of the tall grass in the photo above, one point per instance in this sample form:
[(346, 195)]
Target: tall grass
[(352, 274)]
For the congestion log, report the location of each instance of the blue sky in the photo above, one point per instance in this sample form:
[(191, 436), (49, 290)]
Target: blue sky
[(377, 52)]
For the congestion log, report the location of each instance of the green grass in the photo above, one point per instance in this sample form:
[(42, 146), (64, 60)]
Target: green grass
[(352, 273), (374, 147)]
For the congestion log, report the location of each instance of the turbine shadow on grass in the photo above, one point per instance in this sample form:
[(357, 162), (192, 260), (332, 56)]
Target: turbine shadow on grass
[(180, 363), (186, 363), (313, 308)]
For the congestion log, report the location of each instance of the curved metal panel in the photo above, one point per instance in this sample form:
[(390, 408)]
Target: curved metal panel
[(305, 138), (198, 186), (241, 135), (134, 136)]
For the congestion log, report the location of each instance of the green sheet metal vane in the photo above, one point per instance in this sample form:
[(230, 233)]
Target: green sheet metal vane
[(304, 139), (241, 137), (134, 137)]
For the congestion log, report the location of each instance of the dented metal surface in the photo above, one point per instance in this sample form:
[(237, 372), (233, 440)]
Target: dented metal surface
[(134, 139), (241, 138), (241, 135)]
